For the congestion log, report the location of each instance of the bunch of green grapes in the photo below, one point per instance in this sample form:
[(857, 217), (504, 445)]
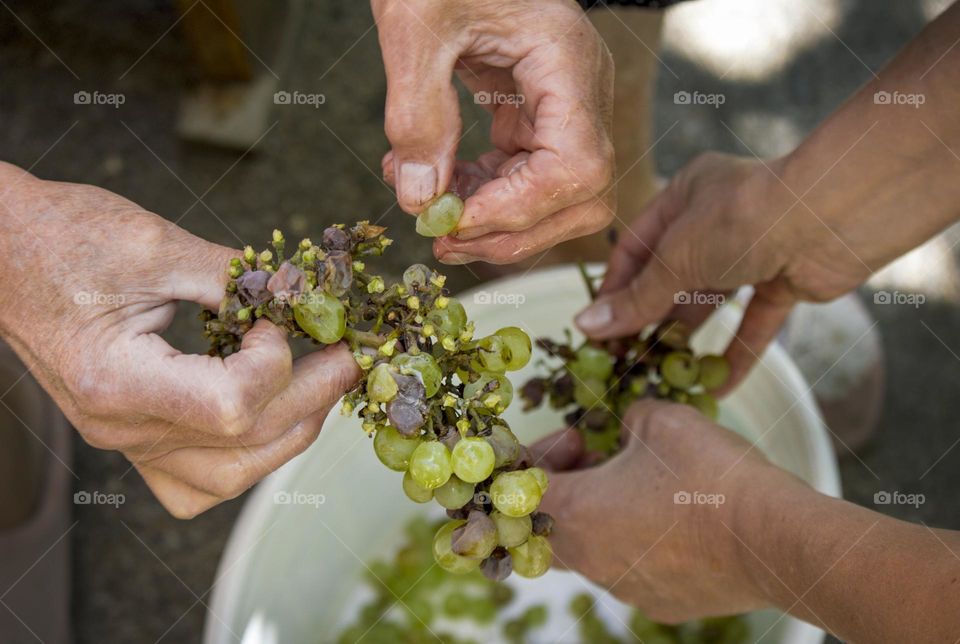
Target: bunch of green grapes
[(431, 395), (597, 381)]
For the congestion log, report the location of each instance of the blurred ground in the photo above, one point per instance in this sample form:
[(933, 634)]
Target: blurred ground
[(141, 576)]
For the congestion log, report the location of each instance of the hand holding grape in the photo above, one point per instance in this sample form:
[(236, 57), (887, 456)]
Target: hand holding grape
[(549, 177), (91, 280), (621, 525)]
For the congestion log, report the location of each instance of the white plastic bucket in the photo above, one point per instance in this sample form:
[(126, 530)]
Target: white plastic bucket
[(297, 551)]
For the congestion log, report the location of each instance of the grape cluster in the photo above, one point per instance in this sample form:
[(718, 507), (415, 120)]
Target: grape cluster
[(596, 382), (431, 394)]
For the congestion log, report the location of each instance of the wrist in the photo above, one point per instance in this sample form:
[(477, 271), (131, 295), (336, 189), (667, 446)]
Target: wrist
[(762, 518)]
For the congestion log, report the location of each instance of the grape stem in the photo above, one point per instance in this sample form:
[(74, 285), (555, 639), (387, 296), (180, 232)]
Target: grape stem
[(364, 338), (587, 280)]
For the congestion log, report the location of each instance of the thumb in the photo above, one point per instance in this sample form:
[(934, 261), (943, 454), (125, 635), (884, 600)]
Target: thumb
[(648, 298), (422, 111)]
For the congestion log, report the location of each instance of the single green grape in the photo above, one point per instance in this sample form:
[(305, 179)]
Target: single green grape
[(456, 604), (541, 476), (473, 459), (416, 276), (443, 551), (424, 365), (414, 491), (515, 494), (504, 390), (589, 393), (492, 350), (441, 216), (517, 345), (451, 320), (705, 404), (381, 387), (393, 449), (511, 531), (714, 372), (430, 464), (454, 494), (591, 362), (531, 559), (536, 616), (321, 316), (680, 369)]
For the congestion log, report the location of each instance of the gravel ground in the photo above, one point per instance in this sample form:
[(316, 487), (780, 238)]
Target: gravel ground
[(141, 576)]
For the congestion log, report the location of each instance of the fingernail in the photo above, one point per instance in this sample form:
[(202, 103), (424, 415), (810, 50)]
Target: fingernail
[(416, 183), (595, 317), (458, 258)]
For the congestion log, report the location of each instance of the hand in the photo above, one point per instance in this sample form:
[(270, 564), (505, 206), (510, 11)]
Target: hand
[(722, 222), (633, 525), (550, 175), (90, 280)]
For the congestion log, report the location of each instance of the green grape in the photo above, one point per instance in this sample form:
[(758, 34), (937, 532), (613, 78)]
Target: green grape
[(451, 320), (505, 445), (535, 616), (492, 350), (581, 605), (321, 316), (454, 494), (430, 464), (532, 558), (517, 345), (589, 393), (515, 494), (416, 276), (393, 449), (423, 364), (414, 491), (705, 404), (441, 216), (680, 369), (456, 604), (714, 372), (541, 477), (381, 387), (511, 531), (504, 390), (591, 362), (473, 459), (443, 551)]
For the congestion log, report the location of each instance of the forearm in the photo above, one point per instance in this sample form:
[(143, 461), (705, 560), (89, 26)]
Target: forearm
[(860, 575), (885, 165)]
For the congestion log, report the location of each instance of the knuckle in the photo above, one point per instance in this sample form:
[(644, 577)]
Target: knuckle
[(230, 481), (598, 169), (233, 415)]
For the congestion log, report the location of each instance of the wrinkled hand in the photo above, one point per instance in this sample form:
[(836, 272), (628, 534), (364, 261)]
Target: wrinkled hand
[(91, 279), (724, 222), (624, 524), (550, 174)]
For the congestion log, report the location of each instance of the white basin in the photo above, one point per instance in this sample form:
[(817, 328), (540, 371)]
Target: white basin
[(296, 555)]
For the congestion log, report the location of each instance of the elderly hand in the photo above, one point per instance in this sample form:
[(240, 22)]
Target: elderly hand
[(657, 523), (91, 279), (723, 222), (550, 175)]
